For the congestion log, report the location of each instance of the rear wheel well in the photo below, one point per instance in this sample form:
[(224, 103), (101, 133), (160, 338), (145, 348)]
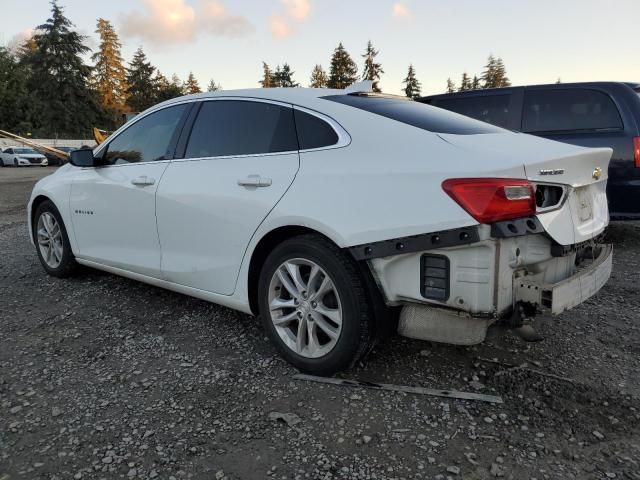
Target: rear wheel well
[(260, 253), (385, 318)]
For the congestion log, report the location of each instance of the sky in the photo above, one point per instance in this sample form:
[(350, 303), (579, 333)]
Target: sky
[(227, 40)]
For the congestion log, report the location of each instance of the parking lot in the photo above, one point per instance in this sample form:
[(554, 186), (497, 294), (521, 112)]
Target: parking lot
[(103, 377)]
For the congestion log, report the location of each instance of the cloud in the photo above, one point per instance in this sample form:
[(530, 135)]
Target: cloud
[(15, 42), (174, 21), (400, 10), (297, 9), (217, 21), (279, 26)]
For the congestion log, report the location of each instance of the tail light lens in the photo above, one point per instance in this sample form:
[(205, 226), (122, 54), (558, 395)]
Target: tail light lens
[(636, 151), (491, 200)]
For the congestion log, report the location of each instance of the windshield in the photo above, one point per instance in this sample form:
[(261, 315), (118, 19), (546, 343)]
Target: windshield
[(24, 150), (416, 114)]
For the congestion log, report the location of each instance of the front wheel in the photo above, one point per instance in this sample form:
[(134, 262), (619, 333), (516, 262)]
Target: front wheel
[(314, 306), (52, 242)]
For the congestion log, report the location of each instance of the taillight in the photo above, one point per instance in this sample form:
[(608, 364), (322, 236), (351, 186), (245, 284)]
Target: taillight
[(490, 200), (636, 151)]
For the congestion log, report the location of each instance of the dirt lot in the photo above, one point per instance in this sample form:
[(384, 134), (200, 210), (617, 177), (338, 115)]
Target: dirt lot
[(103, 377)]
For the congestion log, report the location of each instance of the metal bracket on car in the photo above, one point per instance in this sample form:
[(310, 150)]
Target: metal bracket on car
[(516, 228), (558, 250), (416, 243)]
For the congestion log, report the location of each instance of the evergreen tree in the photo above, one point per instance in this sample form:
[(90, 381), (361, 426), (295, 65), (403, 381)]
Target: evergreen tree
[(283, 77), (16, 108), (412, 88), (213, 86), (343, 71), (192, 86), (451, 87), (465, 83), (58, 84), (372, 70), (495, 74), (267, 76), (28, 47), (319, 77), (109, 74), (165, 89), (140, 83), (475, 84)]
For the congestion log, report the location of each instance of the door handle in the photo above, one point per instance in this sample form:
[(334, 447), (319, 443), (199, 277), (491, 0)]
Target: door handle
[(143, 181), (254, 181)]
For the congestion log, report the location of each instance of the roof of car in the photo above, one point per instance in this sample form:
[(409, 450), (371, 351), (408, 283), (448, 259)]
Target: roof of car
[(483, 91), (277, 94)]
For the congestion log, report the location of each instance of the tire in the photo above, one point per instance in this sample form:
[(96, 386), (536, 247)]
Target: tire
[(61, 263), (1, 163), (15, 162), (331, 346)]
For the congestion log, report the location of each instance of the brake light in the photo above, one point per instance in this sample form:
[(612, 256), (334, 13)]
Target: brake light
[(636, 151), (490, 200)]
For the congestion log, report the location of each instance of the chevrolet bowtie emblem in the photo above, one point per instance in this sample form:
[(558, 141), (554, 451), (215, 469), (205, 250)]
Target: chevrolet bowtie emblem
[(597, 173)]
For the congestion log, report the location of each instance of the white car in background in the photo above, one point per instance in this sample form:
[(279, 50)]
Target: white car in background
[(22, 157), (324, 210)]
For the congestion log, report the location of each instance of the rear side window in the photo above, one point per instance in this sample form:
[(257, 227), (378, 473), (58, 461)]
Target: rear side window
[(236, 127), (493, 109), (313, 132), (569, 109), (146, 140), (416, 114)]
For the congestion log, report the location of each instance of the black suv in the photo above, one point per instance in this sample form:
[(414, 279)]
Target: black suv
[(594, 114)]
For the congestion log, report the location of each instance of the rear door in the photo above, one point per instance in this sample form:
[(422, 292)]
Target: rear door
[(113, 206), (586, 117), (240, 158)]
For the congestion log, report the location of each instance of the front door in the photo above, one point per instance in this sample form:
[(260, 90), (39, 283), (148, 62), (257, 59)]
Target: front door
[(240, 160), (113, 206)]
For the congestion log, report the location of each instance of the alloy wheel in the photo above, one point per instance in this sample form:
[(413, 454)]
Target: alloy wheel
[(305, 308), (50, 240)]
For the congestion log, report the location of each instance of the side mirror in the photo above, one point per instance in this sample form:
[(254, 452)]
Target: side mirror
[(83, 158)]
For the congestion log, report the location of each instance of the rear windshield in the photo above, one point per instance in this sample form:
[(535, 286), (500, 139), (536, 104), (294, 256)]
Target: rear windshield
[(416, 114)]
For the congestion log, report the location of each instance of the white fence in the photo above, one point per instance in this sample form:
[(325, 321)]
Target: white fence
[(50, 142)]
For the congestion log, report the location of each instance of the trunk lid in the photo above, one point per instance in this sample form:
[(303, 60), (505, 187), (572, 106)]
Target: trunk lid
[(583, 213)]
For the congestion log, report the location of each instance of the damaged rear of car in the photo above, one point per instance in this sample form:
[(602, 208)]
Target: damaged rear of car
[(535, 246)]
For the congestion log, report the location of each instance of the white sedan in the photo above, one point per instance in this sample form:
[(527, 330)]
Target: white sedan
[(22, 157), (337, 216)]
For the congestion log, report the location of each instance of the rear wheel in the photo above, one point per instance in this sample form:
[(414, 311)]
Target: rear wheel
[(314, 306), (52, 242)]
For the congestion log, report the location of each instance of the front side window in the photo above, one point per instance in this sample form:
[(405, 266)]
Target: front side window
[(238, 127), (147, 140), (569, 110), (493, 109), (416, 114)]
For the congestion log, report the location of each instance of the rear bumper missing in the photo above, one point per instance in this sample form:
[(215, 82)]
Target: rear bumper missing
[(570, 292)]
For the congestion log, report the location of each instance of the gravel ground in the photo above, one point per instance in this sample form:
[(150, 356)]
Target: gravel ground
[(103, 377)]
